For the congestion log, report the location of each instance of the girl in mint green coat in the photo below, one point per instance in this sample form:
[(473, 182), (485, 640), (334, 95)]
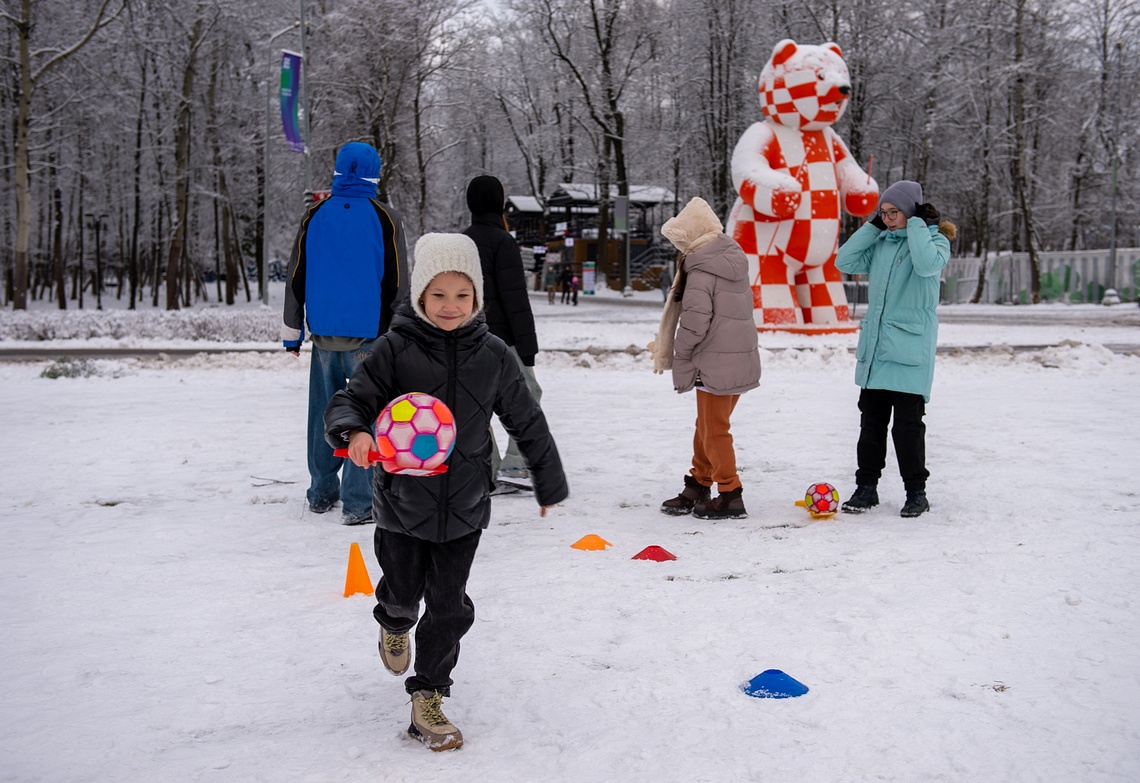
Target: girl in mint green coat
[(902, 250)]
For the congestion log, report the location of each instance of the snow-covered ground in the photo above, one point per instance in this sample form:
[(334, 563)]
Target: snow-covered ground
[(171, 609)]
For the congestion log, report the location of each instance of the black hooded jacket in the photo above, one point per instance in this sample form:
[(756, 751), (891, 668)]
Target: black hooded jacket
[(506, 302), (472, 371)]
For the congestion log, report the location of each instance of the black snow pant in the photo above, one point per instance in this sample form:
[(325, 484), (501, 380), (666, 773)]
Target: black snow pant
[(415, 569), (908, 434)]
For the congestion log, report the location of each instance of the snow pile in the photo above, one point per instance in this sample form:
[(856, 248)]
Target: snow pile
[(209, 324)]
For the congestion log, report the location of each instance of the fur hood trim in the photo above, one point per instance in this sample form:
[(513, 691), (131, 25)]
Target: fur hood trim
[(693, 226)]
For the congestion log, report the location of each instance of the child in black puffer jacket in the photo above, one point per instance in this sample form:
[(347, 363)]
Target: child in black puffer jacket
[(428, 528)]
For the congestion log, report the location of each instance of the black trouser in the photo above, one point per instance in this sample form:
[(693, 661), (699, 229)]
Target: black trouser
[(908, 434), (414, 569)]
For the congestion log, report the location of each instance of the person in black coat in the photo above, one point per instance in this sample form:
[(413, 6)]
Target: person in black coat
[(428, 528), (506, 303)]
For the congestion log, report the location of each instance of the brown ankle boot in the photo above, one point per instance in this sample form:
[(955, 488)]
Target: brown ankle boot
[(693, 493), (726, 505)]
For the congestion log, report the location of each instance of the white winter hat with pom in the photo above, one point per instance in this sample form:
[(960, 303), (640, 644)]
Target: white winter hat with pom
[(439, 253)]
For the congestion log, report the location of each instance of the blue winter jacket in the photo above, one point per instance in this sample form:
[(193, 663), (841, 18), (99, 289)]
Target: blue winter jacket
[(899, 332), (348, 268)]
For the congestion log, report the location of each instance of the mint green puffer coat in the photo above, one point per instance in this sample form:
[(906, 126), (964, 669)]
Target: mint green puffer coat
[(899, 331)]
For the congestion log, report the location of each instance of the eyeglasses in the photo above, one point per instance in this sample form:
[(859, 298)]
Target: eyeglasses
[(890, 214)]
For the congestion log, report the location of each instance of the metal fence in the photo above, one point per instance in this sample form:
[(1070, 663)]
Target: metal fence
[(1066, 276)]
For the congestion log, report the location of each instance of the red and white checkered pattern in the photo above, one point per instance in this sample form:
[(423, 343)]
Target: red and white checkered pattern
[(790, 171)]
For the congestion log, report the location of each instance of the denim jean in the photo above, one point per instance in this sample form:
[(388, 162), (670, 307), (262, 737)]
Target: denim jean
[(329, 372), (908, 434), (513, 459), (414, 570)]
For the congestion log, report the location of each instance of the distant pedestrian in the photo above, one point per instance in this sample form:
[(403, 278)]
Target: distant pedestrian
[(567, 277), (574, 286), (666, 279), (708, 339), (902, 250), (347, 273)]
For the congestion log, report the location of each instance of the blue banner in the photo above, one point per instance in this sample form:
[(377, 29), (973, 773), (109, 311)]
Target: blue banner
[(290, 96)]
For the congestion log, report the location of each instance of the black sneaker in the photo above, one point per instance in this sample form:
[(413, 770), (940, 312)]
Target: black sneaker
[(726, 505), (693, 493), (865, 498), (321, 506), (916, 504)]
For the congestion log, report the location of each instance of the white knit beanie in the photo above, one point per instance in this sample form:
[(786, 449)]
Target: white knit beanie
[(439, 253)]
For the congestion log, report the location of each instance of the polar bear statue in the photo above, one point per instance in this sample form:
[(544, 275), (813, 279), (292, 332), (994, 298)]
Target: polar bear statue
[(792, 174)]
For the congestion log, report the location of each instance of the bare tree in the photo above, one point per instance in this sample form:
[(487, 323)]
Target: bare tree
[(195, 39), (33, 67)]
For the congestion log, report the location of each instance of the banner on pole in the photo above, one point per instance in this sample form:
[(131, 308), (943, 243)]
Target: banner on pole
[(290, 96)]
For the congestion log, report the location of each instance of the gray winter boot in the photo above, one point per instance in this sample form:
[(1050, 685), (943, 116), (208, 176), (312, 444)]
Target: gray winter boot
[(693, 493)]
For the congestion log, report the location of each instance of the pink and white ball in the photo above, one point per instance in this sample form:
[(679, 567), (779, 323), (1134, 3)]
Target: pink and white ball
[(822, 499), (415, 434)]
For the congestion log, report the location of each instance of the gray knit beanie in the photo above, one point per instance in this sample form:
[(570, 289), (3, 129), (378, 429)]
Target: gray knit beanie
[(438, 253), (904, 194)]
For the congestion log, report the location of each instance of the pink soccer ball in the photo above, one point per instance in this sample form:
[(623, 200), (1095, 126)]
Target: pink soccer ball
[(822, 499), (415, 434)]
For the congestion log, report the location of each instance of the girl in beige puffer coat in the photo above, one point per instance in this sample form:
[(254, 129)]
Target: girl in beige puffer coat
[(708, 339)]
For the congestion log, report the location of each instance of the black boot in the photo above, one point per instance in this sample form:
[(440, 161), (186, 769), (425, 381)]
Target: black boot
[(726, 505), (865, 498), (916, 504), (693, 493)]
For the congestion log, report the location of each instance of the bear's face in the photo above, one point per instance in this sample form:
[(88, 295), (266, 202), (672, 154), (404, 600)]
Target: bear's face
[(804, 87)]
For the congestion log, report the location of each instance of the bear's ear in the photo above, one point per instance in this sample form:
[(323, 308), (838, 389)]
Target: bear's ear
[(833, 47), (783, 51)]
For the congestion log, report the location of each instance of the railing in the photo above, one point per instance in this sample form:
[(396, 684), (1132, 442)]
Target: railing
[(654, 255)]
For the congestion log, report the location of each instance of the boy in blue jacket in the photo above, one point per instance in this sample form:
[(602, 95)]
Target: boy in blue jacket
[(347, 273)]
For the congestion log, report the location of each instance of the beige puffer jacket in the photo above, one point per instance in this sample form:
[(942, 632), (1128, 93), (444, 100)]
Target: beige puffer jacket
[(716, 335)]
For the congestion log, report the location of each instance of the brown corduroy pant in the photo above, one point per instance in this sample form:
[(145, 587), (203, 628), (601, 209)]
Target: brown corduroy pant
[(714, 459)]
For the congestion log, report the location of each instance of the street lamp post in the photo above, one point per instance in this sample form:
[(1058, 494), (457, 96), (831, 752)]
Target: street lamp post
[(305, 71), (1115, 169), (262, 283)]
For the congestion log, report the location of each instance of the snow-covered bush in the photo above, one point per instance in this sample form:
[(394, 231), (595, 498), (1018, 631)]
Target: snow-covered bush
[(212, 325)]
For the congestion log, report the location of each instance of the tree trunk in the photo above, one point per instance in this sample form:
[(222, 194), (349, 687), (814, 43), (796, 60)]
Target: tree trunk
[(1021, 174), (223, 193), (136, 222), (23, 192), (182, 173), (57, 248)]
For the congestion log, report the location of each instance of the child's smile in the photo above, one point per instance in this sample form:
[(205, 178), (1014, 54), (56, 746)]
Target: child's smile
[(449, 300)]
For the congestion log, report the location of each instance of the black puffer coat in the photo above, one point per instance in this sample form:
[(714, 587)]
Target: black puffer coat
[(472, 371), (504, 285)]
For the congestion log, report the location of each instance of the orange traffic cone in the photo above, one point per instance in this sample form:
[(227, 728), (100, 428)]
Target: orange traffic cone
[(357, 580)]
